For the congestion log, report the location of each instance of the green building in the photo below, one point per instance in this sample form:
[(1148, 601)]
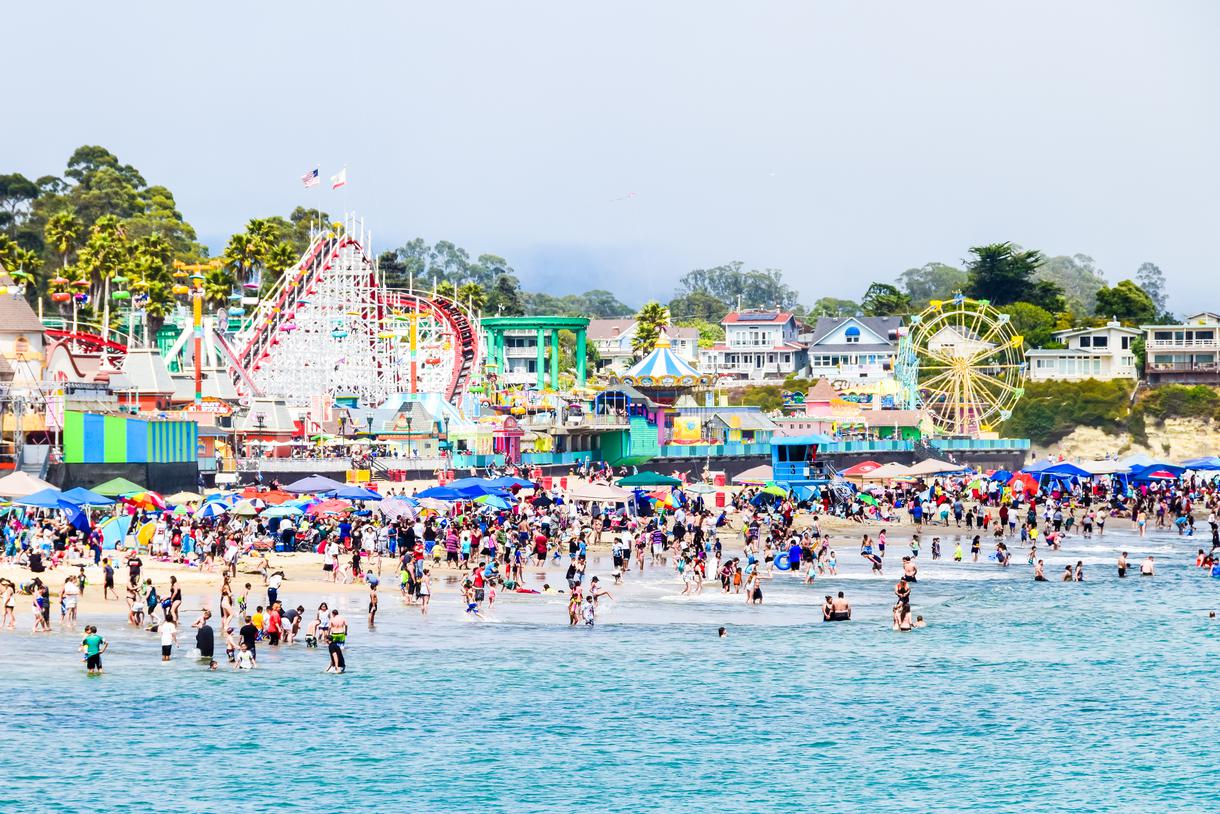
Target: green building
[(517, 348)]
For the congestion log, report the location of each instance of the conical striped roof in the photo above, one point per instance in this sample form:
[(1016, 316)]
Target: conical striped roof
[(661, 363)]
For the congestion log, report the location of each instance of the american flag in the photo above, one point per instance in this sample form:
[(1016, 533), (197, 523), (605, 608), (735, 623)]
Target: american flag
[(310, 179)]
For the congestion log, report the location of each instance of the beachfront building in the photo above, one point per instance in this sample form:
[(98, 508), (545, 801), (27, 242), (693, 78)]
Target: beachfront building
[(21, 340), (758, 345), (852, 414), (1184, 353), (613, 339), (521, 349), (853, 349), (1103, 353)]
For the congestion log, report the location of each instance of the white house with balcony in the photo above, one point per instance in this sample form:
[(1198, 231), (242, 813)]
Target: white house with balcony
[(757, 345), (1185, 353), (1103, 353), (853, 349)]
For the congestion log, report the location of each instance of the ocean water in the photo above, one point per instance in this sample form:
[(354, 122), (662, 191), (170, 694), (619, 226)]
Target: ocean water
[(1093, 697)]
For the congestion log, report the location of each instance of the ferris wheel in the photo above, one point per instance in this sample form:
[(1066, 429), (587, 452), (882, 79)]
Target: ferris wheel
[(962, 362)]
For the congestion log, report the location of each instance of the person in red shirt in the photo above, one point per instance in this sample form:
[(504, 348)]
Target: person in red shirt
[(274, 626)]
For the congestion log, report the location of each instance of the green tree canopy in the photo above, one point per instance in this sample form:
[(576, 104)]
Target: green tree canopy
[(709, 332), (731, 284), (1033, 323), (931, 281), (1150, 278), (883, 299), (833, 307), (699, 305), (1127, 303), (1002, 273), (505, 298), (1077, 277)]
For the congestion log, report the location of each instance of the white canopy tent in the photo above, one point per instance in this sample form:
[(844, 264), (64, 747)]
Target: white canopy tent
[(20, 484), (934, 467), (599, 493)]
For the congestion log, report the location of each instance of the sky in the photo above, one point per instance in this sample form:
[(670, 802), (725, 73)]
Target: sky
[(619, 145)]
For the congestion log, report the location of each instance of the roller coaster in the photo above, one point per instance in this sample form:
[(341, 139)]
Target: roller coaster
[(327, 327), (330, 326)]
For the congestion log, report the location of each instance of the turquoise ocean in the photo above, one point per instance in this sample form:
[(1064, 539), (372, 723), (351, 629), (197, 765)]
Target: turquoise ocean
[(1100, 696)]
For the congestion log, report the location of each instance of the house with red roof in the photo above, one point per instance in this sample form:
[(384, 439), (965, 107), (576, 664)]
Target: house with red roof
[(758, 345)]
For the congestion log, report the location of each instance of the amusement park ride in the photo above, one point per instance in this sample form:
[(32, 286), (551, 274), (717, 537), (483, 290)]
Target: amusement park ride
[(328, 325), (961, 361)]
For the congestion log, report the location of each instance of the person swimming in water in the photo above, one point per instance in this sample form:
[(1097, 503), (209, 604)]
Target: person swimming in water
[(840, 609)]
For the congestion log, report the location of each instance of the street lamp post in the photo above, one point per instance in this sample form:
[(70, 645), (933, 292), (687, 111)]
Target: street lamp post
[(410, 446), (260, 422), (448, 452)]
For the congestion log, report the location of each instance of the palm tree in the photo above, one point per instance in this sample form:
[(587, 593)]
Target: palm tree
[(61, 231), (243, 254), (649, 323), (218, 285), (280, 257), (102, 256), (472, 295)]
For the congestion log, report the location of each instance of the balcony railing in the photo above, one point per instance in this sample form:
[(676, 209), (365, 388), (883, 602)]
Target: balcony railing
[(1184, 343), (1184, 367)]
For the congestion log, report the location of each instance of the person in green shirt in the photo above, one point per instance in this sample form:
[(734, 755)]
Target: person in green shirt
[(93, 647)]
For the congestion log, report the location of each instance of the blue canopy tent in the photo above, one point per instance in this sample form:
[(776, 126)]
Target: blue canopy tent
[(471, 491), (1000, 476), (509, 482), (357, 493), (442, 493), (1209, 463), (84, 497), (1156, 471), (50, 498)]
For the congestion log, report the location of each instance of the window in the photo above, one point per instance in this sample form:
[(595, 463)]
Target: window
[(1085, 341), (1101, 341), (1126, 343), (852, 334)]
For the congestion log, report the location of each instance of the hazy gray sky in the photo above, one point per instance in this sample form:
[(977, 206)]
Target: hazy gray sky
[(839, 141)]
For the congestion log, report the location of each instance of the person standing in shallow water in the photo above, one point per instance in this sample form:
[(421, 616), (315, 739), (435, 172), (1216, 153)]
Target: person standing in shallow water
[(93, 647), (1122, 564), (338, 637)]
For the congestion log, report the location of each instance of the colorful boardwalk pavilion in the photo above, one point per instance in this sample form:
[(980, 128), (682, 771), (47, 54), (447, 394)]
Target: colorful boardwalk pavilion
[(497, 329)]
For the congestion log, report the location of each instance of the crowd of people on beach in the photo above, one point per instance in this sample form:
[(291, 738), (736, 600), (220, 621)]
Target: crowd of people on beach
[(756, 537)]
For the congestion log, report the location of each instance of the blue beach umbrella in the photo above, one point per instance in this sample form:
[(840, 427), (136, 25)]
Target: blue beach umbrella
[(214, 509)]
